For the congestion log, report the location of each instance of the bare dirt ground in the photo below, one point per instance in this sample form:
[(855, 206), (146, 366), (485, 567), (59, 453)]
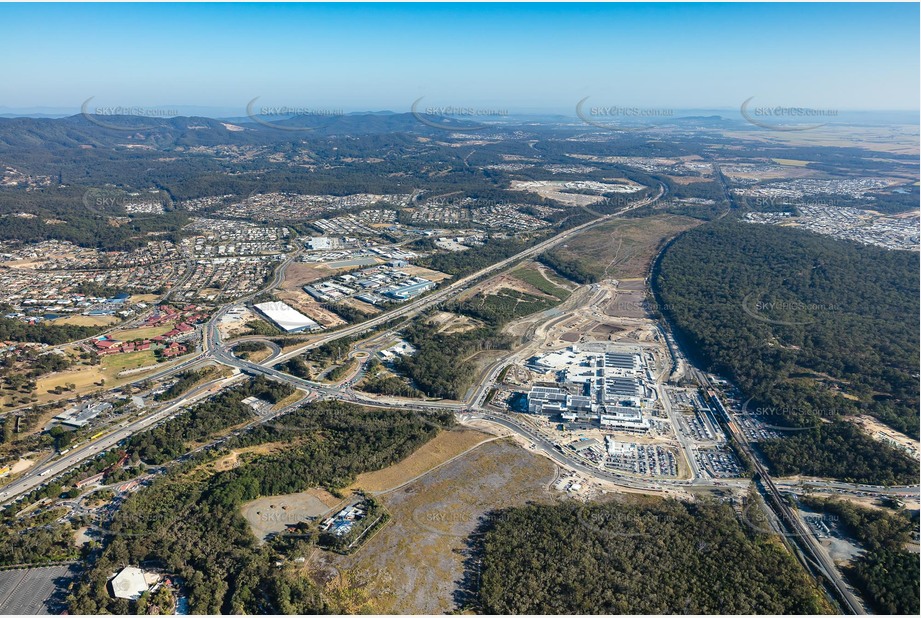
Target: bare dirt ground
[(879, 431), (300, 274), (275, 513), (500, 282), (453, 323), (431, 275), (415, 564), (234, 328), (627, 303), (361, 306)]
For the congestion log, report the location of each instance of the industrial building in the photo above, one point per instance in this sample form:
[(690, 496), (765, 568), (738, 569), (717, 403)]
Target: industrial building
[(286, 317), (417, 286), (377, 285)]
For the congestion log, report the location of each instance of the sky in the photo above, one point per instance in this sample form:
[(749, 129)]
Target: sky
[(509, 57)]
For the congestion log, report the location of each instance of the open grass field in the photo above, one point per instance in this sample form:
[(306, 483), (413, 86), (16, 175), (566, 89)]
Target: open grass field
[(415, 564), (86, 378), (144, 332), (82, 377), (537, 277), (623, 248), (88, 320), (428, 273), (435, 452), (792, 162), (132, 360)]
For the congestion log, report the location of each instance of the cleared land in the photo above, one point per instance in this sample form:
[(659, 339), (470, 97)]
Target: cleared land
[(144, 332), (86, 378), (415, 564), (540, 277), (453, 322), (272, 514), (87, 320), (623, 248), (433, 453)]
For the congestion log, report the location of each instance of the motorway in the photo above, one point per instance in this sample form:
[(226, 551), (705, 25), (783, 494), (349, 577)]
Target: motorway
[(416, 307), (214, 349), (89, 449), (788, 519)]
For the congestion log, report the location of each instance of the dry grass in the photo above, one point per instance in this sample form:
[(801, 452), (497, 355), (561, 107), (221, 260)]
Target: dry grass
[(143, 298), (435, 452), (358, 305), (791, 162), (413, 565), (419, 271), (88, 320), (86, 378), (116, 363), (297, 395), (623, 248), (143, 332)]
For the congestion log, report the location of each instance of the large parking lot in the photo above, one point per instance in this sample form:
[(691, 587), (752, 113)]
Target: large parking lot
[(32, 591)]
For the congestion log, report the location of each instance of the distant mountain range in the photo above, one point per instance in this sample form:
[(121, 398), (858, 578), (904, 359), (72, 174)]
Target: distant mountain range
[(88, 131)]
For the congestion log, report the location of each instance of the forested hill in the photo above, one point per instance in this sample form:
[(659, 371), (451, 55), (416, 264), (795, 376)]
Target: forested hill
[(812, 326), (115, 130), (665, 557)]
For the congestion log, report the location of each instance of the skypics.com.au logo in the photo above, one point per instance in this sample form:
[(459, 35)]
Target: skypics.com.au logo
[(111, 202), (779, 418), (779, 118), (764, 311), (619, 118), (454, 118), (274, 116), (124, 117), (756, 516)]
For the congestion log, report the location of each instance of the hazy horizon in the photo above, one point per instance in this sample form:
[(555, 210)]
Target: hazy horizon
[(528, 59)]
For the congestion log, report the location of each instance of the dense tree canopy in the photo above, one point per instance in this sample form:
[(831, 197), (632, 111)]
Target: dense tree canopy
[(813, 326), (664, 557)]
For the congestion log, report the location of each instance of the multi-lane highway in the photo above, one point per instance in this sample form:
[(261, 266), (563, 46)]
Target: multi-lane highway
[(92, 448), (215, 350)]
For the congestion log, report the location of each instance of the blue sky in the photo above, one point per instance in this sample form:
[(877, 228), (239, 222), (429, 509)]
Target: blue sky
[(520, 58)]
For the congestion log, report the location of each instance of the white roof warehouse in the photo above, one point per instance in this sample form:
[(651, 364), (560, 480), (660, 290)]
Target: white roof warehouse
[(285, 317)]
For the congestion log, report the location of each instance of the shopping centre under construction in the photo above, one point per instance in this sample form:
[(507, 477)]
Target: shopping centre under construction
[(604, 384)]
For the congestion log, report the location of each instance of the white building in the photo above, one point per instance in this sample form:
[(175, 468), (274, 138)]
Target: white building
[(130, 583), (286, 317)]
